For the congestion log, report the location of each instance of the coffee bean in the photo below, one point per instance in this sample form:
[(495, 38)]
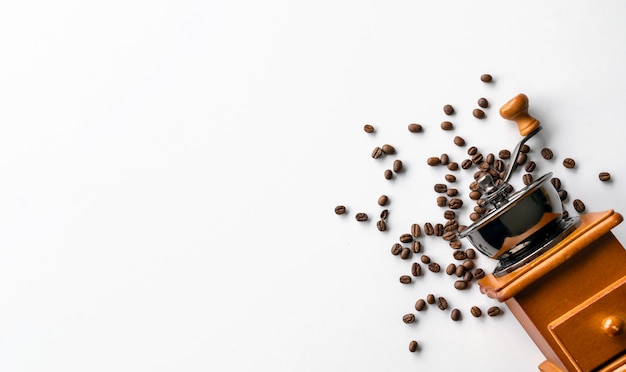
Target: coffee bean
[(405, 253), (546, 153), (569, 163), (474, 216), (468, 264), (556, 182), (453, 166), (430, 299), (499, 165), (478, 113), (383, 200), (434, 267), (413, 346), (442, 201), (459, 141), (405, 279), (438, 228), (604, 176), (449, 214), (451, 269), (486, 78), (446, 125), (484, 166), (459, 255), (416, 246), (415, 128), (377, 152), (455, 203), (450, 178), (482, 102), (477, 158), (455, 244), (442, 303), (562, 194), (470, 253), (525, 149), (429, 229), (416, 231), (416, 269), (425, 259), (420, 304), (504, 154), (530, 166), (451, 225), (479, 273), (449, 235), (476, 312), (527, 179), (494, 311), (406, 238), (408, 318), (381, 225), (384, 214), (361, 217), (455, 315), (388, 149), (473, 150), (444, 159), (397, 166), (466, 164), (460, 271), (460, 284), (340, 209), (433, 161), (396, 249), (475, 195), (490, 158), (388, 174), (368, 128), (521, 158), (448, 109), (440, 188), (452, 192), (579, 206)]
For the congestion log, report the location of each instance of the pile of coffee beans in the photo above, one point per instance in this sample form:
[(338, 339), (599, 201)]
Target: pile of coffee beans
[(462, 267)]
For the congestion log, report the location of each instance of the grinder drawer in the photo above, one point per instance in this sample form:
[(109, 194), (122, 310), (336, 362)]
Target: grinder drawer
[(593, 332)]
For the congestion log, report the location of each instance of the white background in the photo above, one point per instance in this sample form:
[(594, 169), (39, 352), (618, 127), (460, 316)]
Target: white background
[(170, 170)]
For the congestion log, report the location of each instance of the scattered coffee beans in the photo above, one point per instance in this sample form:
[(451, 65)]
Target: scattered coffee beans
[(448, 109), (420, 304), (459, 141), (527, 179), (479, 273), (442, 303), (450, 178), (377, 152), (368, 128), (486, 78), (429, 229), (361, 217), (460, 284), (562, 194), (530, 166), (455, 203), (408, 318), (396, 249), (340, 209), (416, 246), (416, 231), (446, 125), (416, 269), (430, 298), (415, 128), (413, 346), (476, 312), (494, 311), (397, 165), (604, 176), (405, 279), (451, 269), (425, 259), (442, 201), (406, 238), (556, 182), (388, 149), (478, 113), (381, 225), (569, 163), (405, 253), (455, 314), (482, 102), (547, 154), (383, 200), (433, 161), (384, 214), (453, 166), (440, 188), (434, 267), (579, 206), (504, 154), (388, 174)]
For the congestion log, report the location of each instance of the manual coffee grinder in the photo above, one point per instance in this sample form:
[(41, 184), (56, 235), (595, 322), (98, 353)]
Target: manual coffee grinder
[(563, 277)]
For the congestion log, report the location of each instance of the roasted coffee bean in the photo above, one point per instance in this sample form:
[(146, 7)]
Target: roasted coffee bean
[(470, 253), (468, 276), (361, 217), (425, 259), (388, 174), (451, 225), (499, 165), (452, 192), (396, 249), (433, 160), (521, 158), (479, 273), (453, 166), (408, 318), (434, 267), (459, 255), (442, 201), (482, 102), (460, 284), (476, 312), (438, 229), (384, 214), (413, 346), (420, 304), (468, 264), (450, 178), (504, 154), (474, 186), (449, 235), (455, 203), (340, 209), (388, 149), (448, 109), (383, 200), (368, 128), (475, 195), (456, 244), (430, 299), (444, 159), (490, 158), (530, 166), (579, 206), (405, 253), (547, 154), (446, 125), (484, 166), (381, 225), (461, 228), (460, 271), (451, 269), (486, 78), (405, 279), (473, 150), (556, 182), (416, 269), (562, 194), (480, 210), (440, 187), (494, 311), (449, 214), (442, 303), (416, 246), (474, 216), (377, 152), (406, 238), (477, 158), (527, 179), (455, 315), (466, 164), (478, 113), (397, 166), (525, 149), (459, 141), (604, 176), (416, 231), (429, 229), (415, 128), (569, 163)]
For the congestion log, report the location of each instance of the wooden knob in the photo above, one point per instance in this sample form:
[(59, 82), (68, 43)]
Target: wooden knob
[(613, 326), (517, 110)]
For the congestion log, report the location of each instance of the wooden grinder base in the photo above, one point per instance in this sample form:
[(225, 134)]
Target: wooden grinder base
[(571, 300)]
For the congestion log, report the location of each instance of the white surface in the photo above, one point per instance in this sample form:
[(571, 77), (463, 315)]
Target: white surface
[(170, 171)]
